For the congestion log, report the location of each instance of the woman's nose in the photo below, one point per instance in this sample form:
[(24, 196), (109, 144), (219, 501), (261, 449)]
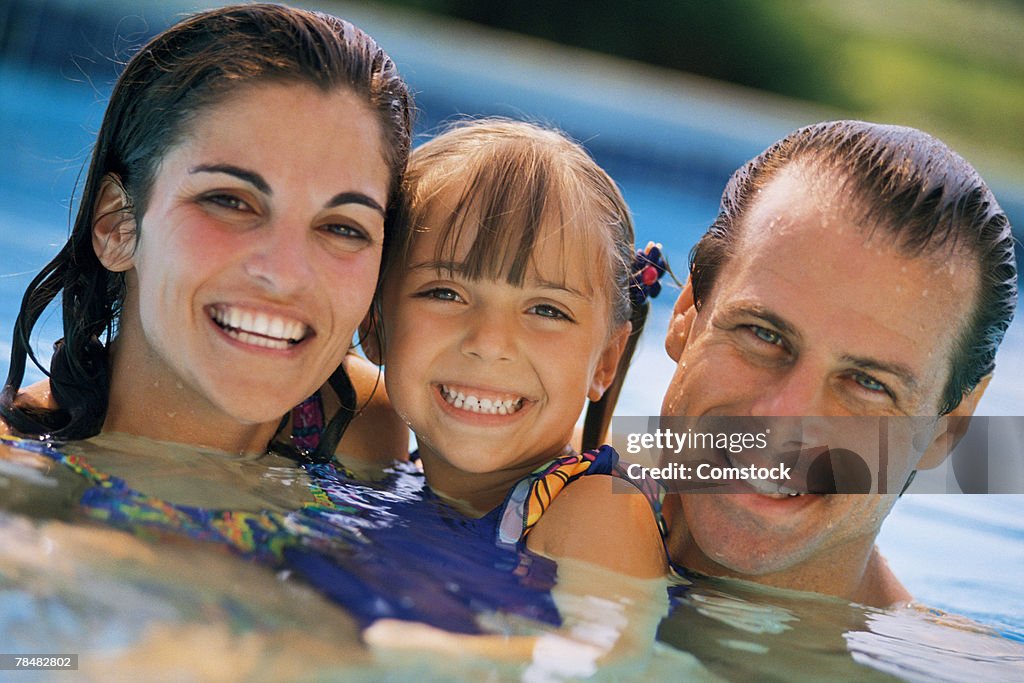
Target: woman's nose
[(280, 259)]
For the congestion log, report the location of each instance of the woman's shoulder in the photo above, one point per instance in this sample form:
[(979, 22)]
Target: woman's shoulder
[(36, 396)]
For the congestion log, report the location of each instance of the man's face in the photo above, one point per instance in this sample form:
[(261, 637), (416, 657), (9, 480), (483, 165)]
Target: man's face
[(811, 316)]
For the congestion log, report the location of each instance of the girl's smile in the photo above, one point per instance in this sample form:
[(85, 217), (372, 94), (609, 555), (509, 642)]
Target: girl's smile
[(480, 401)]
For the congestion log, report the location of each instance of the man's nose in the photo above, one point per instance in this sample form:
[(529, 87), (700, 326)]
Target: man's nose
[(280, 259), (489, 336), (798, 390)]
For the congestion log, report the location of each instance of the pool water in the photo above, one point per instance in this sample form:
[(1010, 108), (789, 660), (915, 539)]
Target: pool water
[(72, 584), (72, 580)]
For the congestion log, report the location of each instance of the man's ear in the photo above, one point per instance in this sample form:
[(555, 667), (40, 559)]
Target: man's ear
[(683, 315), (952, 427), (114, 226), (371, 336), (608, 363)]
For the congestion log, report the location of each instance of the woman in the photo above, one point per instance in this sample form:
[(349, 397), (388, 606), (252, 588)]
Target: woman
[(232, 227)]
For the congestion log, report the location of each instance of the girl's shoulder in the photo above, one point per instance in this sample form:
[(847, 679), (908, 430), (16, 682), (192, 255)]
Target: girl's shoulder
[(593, 520), (583, 506)]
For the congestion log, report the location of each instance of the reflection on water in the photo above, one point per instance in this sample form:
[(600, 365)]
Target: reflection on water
[(185, 475), (744, 631), (168, 603), (168, 611)]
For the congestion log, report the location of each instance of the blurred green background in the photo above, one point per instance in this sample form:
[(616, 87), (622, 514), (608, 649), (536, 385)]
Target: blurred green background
[(952, 67)]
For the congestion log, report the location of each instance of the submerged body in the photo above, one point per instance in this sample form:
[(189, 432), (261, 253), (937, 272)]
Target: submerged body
[(127, 604)]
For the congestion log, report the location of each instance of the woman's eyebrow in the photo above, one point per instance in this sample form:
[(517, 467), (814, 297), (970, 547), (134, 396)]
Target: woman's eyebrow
[(251, 177), (257, 181), (355, 198)]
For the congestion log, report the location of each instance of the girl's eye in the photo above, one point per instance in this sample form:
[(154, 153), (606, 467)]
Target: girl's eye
[(870, 383), (227, 201), (766, 335), (549, 311), (440, 294)]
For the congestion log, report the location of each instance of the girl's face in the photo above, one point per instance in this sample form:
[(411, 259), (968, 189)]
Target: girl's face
[(257, 256), (490, 376)]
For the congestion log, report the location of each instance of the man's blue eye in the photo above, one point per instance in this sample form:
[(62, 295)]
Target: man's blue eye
[(870, 383), (766, 335)]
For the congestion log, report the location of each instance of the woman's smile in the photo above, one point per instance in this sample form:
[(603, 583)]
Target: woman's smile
[(257, 328)]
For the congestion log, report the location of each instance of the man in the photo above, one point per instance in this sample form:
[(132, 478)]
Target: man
[(854, 269)]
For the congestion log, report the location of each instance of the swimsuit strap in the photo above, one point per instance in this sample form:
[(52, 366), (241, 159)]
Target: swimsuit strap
[(534, 493), (308, 423)]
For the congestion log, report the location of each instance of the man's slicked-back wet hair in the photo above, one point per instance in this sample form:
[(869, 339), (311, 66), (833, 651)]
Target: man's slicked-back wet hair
[(912, 188)]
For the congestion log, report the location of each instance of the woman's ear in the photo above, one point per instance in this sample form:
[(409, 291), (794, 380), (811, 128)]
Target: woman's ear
[(608, 363), (114, 226), (683, 315)]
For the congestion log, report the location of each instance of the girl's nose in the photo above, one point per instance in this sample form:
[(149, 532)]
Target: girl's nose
[(490, 336)]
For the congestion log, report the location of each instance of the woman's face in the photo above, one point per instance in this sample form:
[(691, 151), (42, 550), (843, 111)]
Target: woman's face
[(258, 253)]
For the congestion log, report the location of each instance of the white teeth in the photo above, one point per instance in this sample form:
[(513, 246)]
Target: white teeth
[(276, 328), (259, 329), (773, 489), (487, 406)]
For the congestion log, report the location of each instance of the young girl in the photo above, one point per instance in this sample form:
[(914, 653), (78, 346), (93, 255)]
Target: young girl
[(513, 308)]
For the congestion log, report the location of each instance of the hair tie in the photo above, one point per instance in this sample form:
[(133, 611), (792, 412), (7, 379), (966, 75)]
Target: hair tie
[(649, 266)]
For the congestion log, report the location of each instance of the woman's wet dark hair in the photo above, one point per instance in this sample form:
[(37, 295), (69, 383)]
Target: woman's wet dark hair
[(163, 89), (913, 188)]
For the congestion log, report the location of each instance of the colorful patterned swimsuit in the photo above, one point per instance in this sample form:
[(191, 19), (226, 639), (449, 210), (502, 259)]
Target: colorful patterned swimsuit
[(533, 494), (391, 551)]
